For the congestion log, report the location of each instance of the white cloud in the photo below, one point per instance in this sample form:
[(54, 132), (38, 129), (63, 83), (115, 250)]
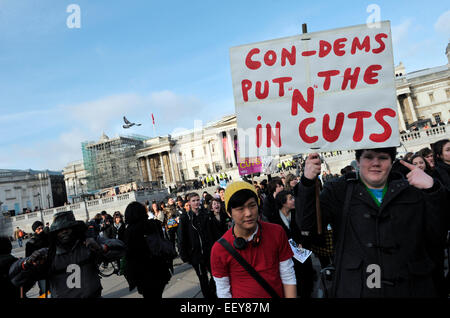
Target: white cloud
[(400, 32), (442, 24)]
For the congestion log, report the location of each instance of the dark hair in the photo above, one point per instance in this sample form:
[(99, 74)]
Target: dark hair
[(346, 170), (239, 198), (408, 156), (427, 165), (5, 245), (135, 213), (191, 195), (220, 189), (216, 200), (281, 198), (179, 198), (438, 147), (273, 185), (208, 198), (425, 152), (391, 151)]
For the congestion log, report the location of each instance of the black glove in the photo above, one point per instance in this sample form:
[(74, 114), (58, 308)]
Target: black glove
[(93, 245), (38, 257)]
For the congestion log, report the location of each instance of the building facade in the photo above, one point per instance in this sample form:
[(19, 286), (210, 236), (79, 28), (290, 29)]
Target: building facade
[(75, 180), (191, 155), (423, 95), (22, 190)]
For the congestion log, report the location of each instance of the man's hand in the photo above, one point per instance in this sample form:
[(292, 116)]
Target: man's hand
[(417, 177), (93, 245), (312, 166), (37, 258)]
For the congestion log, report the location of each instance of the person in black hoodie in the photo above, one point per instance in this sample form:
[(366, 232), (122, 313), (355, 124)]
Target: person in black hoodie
[(269, 205), (149, 273), (7, 289), (117, 229), (70, 263), (39, 240), (441, 152), (285, 216)]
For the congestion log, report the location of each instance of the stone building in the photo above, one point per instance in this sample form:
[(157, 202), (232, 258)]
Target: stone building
[(424, 95), (22, 190)]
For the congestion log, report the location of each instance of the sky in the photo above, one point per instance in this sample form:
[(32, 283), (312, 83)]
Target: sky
[(60, 86)]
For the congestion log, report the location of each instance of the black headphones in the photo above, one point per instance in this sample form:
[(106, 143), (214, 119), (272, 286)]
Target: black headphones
[(240, 243)]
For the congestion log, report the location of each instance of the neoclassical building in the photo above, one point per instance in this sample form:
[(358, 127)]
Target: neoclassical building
[(423, 94), (190, 155)]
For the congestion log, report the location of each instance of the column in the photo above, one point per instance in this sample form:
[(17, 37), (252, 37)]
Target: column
[(171, 167), (162, 168), (230, 146), (149, 170), (411, 107), (213, 169), (222, 156), (400, 117)]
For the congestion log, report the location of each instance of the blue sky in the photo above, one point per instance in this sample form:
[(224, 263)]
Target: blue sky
[(61, 86)]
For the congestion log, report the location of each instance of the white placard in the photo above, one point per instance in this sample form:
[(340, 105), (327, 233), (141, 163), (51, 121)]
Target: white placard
[(330, 90)]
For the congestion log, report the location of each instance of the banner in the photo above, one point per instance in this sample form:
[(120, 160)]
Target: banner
[(323, 91), (247, 165)]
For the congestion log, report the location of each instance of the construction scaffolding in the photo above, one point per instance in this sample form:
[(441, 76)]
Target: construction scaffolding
[(111, 162)]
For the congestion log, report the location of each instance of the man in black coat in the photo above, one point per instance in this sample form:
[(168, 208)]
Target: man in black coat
[(193, 242), (70, 264), (386, 241)]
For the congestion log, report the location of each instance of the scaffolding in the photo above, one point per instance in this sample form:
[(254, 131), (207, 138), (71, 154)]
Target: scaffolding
[(111, 162)]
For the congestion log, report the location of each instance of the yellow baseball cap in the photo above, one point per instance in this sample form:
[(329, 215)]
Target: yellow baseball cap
[(236, 186)]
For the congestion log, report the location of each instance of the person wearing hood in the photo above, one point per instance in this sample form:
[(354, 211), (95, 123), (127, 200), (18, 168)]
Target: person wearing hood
[(70, 263), (7, 290), (38, 240), (149, 273)]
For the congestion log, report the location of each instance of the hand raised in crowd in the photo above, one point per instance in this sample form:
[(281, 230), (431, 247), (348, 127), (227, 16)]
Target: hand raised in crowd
[(312, 166), (417, 177), (93, 245), (38, 257)]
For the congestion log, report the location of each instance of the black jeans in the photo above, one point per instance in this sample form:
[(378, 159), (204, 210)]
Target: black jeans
[(207, 285)]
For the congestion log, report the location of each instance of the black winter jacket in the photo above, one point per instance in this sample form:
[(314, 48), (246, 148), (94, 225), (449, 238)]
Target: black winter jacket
[(192, 237), (400, 236), (59, 269), (7, 289), (36, 242)]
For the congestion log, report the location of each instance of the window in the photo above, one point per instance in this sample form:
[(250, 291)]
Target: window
[(431, 96), (437, 117), (212, 147), (192, 153), (447, 92)]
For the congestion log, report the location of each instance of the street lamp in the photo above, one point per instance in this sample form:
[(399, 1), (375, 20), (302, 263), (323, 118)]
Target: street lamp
[(40, 206)]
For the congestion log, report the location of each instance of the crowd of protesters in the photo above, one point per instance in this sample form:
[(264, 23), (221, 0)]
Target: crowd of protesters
[(389, 212)]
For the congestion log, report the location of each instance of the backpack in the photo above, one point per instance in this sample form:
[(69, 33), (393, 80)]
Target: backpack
[(20, 234), (171, 223), (160, 247)]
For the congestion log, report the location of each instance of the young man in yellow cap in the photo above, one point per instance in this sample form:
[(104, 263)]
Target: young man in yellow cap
[(263, 245)]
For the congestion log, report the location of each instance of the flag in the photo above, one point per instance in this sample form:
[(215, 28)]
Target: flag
[(153, 119)]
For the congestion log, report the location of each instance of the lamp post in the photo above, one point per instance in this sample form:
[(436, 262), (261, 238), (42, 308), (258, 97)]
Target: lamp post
[(40, 206)]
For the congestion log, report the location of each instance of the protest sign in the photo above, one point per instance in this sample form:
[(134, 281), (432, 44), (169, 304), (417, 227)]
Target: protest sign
[(247, 165), (330, 90)]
